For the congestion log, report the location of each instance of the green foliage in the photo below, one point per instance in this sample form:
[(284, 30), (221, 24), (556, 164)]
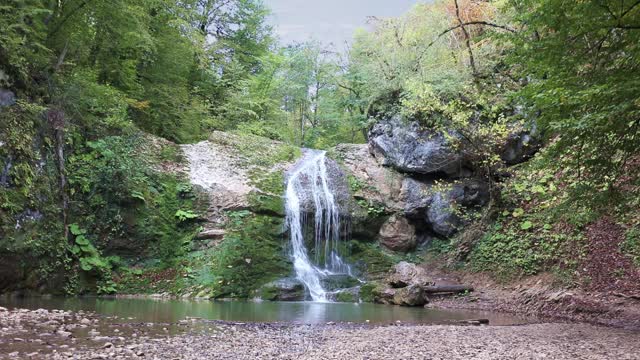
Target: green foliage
[(183, 215), (22, 48), (512, 251), (373, 209), (251, 255), (355, 184), (370, 259), (631, 244), (582, 59), (91, 260), (366, 292)]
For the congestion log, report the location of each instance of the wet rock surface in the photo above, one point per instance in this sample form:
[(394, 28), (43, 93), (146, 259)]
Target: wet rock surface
[(286, 289), (338, 281), (43, 334)]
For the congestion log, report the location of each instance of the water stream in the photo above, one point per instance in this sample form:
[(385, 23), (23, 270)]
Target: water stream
[(309, 184)]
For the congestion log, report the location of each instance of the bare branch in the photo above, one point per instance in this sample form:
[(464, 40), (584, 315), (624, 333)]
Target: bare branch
[(483, 23), (467, 40), (629, 9)]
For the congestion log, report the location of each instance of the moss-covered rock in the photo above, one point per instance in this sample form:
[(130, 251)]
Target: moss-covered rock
[(348, 295), (367, 292), (252, 254), (338, 281), (370, 259), (286, 289)]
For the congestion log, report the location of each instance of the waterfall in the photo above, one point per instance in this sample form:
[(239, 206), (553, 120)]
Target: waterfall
[(308, 184)]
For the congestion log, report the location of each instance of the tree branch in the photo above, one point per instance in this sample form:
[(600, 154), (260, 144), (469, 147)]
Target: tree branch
[(483, 23), (629, 9), (467, 40), (67, 17)]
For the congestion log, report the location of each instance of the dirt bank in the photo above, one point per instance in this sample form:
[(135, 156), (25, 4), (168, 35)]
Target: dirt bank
[(540, 296)]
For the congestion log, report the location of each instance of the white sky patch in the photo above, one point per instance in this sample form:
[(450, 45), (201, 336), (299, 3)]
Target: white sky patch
[(329, 21)]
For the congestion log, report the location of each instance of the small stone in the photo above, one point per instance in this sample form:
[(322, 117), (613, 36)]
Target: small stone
[(107, 345), (85, 321), (64, 333)]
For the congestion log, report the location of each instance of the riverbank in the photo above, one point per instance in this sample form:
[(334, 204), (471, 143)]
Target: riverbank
[(538, 296), (42, 334)]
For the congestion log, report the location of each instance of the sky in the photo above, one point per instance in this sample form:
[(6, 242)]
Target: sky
[(330, 21)]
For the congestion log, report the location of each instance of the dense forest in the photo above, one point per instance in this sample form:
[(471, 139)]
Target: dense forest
[(95, 95)]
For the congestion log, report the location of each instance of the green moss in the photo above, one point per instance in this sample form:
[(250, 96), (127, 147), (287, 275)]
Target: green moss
[(268, 200), (346, 296), (269, 293), (256, 150), (631, 244), (251, 255), (370, 259), (266, 204), (367, 292), (271, 182)]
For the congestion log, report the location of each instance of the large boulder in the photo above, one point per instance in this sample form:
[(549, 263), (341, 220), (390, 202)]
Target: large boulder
[(416, 196), (408, 147), (412, 295), (5, 168), (405, 274), (369, 180), (520, 146), (338, 281), (398, 234), (286, 289), (7, 98), (345, 295), (444, 213)]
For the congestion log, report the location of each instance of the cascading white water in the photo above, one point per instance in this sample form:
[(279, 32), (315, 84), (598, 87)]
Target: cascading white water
[(308, 182)]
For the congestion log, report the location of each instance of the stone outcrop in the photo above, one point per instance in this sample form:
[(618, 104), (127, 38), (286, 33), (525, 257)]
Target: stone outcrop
[(234, 174), (338, 281), (287, 289), (426, 186), (375, 183), (444, 212), (520, 146), (405, 274), (417, 196), (404, 286), (7, 98), (408, 147), (397, 234)]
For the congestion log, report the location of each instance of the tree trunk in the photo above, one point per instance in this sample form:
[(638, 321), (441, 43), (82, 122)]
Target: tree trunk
[(56, 120), (447, 289)]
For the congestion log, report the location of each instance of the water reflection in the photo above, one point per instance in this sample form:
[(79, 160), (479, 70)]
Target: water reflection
[(171, 311)]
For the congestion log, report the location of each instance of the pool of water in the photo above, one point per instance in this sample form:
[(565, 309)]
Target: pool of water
[(171, 311)]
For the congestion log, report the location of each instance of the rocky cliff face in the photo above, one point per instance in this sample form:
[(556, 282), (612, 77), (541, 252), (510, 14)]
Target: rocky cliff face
[(423, 185)]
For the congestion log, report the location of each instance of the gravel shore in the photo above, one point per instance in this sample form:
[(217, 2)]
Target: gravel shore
[(43, 334)]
